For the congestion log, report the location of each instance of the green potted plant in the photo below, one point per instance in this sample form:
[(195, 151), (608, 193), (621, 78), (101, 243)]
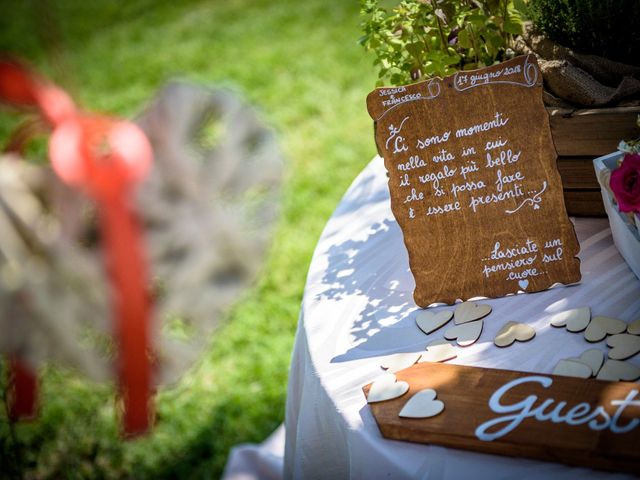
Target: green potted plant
[(419, 39)]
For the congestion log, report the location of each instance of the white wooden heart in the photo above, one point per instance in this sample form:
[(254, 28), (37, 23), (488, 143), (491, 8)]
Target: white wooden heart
[(470, 311), (465, 334), (634, 328), (599, 327), (400, 361), (385, 387), (593, 357), (615, 370), (422, 405), (571, 368), (430, 321), (512, 331), (623, 346), (439, 351), (575, 320)]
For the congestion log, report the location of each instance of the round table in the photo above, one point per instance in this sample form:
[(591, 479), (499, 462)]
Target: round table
[(358, 308)]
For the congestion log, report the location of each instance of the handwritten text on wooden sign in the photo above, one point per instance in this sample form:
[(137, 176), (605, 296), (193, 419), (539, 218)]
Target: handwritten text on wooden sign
[(474, 185)]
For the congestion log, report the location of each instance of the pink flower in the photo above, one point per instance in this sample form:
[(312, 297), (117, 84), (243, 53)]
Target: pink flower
[(625, 183)]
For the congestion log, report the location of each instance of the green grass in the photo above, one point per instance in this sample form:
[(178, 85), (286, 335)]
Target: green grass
[(299, 63)]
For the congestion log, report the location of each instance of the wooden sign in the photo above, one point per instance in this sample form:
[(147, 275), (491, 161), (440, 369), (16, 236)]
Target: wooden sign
[(474, 184), (591, 423)]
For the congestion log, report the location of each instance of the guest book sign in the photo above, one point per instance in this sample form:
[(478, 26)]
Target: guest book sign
[(474, 184), (590, 423)]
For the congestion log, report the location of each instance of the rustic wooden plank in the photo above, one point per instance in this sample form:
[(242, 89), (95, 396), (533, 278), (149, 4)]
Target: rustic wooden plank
[(474, 184), (577, 173), (584, 203), (466, 393), (592, 132), (581, 188)]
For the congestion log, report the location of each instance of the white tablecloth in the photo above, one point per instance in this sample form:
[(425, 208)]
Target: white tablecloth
[(358, 307)]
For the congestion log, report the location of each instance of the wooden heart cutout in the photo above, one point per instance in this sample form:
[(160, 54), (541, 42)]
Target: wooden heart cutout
[(623, 346), (571, 368), (465, 334), (615, 370), (512, 331), (634, 328), (422, 405), (575, 320), (439, 351), (429, 321), (400, 361), (385, 387), (470, 311), (600, 327), (593, 357)]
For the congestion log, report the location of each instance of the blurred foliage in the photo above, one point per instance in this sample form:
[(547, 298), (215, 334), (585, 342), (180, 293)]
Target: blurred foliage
[(426, 38), (300, 64), (608, 28)]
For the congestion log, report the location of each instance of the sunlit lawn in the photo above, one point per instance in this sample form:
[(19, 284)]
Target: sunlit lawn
[(300, 63)]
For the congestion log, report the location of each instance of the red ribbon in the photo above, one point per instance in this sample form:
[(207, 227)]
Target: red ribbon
[(23, 393), (105, 158)]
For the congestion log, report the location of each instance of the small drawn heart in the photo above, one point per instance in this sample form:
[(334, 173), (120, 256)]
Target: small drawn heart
[(600, 327), (385, 387), (422, 405), (575, 320), (523, 284), (400, 361), (512, 331), (429, 321), (634, 328), (623, 346), (593, 357), (439, 351), (615, 370), (536, 207), (465, 334), (571, 368), (470, 311)]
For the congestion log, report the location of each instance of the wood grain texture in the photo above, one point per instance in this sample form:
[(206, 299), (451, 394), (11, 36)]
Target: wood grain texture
[(582, 195), (592, 132), (466, 391), (584, 203), (450, 252), (577, 173)]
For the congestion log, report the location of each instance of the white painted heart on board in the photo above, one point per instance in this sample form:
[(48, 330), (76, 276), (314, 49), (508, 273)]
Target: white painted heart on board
[(385, 387), (422, 405), (429, 321), (575, 320), (470, 311)]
